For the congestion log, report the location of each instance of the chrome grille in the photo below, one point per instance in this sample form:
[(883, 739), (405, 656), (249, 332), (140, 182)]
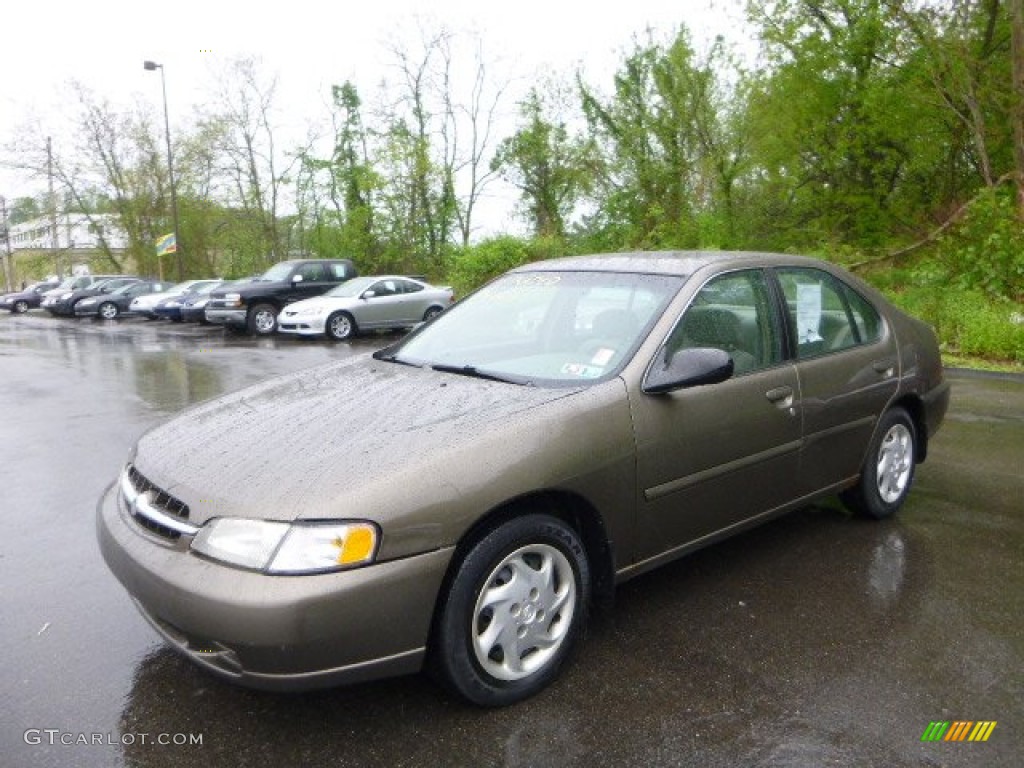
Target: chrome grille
[(159, 499)]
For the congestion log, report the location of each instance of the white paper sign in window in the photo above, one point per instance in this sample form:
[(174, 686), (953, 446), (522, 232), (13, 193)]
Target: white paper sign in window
[(808, 313)]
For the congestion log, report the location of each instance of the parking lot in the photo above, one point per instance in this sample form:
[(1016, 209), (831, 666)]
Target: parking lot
[(817, 639)]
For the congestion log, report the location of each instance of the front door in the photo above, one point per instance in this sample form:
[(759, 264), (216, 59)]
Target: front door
[(711, 457)]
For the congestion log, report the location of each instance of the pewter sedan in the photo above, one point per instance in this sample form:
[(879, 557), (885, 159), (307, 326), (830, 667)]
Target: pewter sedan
[(457, 500), (365, 304)]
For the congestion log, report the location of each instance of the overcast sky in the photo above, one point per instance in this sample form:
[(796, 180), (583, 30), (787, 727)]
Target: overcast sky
[(308, 45)]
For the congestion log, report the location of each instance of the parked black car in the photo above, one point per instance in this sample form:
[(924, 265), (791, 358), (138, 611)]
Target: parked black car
[(69, 284), (64, 303), (31, 297), (254, 306), (109, 305)]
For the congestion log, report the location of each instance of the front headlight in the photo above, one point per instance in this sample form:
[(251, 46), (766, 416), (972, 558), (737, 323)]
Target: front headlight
[(66, 295), (288, 548), (310, 311)]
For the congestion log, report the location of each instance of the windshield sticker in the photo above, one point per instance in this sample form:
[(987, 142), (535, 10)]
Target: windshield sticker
[(603, 356), (582, 371), (808, 312), (533, 279)]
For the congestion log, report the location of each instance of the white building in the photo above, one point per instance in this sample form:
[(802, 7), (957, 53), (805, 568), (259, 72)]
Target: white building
[(75, 231)]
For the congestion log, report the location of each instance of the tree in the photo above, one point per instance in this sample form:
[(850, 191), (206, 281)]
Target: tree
[(551, 169), (253, 170), (668, 158)]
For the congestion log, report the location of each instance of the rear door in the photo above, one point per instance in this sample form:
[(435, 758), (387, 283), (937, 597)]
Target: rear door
[(314, 281), (847, 362), (711, 457), (384, 307)]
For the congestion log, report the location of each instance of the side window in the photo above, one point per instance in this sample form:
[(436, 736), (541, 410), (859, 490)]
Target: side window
[(732, 312), (312, 273), (865, 317), (821, 316), (339, 272), (408, 286)]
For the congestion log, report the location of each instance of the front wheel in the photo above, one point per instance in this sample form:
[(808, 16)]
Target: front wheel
[(340, 326), (515, 609), (21, 307), (262, 320), (108, 310), (888, 469)]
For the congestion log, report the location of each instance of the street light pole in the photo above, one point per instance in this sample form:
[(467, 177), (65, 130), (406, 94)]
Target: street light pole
[(150, 66)]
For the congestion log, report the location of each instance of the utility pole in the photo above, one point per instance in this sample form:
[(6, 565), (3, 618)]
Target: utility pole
[(8, 261), (52, 201)]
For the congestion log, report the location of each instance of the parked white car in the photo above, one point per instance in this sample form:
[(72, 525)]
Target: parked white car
[(364, 304), (146, 304)]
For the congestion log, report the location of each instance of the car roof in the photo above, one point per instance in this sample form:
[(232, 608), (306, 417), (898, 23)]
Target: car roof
[(681, 263)]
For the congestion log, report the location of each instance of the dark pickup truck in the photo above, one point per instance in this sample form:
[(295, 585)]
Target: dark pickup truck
[(253, 306)]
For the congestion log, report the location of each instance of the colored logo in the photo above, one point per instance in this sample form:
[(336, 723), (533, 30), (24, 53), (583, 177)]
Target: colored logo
[(958, 730)]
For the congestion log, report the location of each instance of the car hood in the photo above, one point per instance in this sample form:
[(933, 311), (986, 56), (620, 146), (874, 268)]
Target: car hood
[(152, 299), (305, 444), (322, 302)]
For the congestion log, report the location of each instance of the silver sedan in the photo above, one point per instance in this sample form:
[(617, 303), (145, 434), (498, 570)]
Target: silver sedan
[(364, 304)]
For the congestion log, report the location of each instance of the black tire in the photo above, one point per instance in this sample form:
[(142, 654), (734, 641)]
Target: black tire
[(340, 326), (20, 307), (431, 313), (108, 310), (547, 615), (262, 319), (888, 470)]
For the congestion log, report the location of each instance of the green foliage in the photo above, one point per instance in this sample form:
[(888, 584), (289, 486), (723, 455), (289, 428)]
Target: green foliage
[(472, 266), (985, 251), (552, 169), (968, 322)]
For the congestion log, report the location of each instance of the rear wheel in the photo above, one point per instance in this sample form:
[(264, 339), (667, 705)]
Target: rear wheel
[(262, 320), (431, 313), (888, 470), (108, 310), (340, 326), (516, 607)]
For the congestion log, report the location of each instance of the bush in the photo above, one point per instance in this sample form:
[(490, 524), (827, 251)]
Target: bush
[(985, 251), (471, 267), (968, 322)]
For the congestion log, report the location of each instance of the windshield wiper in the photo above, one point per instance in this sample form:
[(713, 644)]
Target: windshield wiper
[(469, 370), (392, 357)]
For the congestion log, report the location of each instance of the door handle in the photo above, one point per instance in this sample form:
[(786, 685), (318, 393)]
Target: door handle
[(883, 368), (781, 396)]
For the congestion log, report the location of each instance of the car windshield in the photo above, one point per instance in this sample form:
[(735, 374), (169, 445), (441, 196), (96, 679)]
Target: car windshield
[(276, 274), (353, 287), (542, 328)]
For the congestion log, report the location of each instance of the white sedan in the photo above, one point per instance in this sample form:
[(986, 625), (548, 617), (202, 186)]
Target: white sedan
[(146, 304), (364, 304)]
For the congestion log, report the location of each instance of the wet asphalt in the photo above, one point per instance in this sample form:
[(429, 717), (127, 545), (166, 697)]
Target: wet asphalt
[(814, 640)]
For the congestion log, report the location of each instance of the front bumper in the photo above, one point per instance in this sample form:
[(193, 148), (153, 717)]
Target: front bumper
[(233, 317), (275, 632), (302, 325)]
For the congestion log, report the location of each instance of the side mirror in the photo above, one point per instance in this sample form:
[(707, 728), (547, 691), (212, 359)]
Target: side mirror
[(296, 279), (693, 367), (369, 294)]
